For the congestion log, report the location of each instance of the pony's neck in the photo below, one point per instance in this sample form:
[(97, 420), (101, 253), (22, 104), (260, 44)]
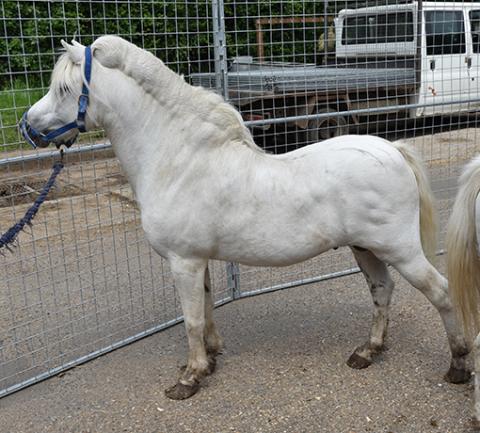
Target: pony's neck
[(147, 131), (156, 127), (126, 116)]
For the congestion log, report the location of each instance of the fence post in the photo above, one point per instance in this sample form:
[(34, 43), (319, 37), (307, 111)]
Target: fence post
[(233, 279), (221, 85), (220, 48)]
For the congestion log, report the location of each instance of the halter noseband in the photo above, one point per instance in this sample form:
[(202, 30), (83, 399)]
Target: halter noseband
[(30, 133)]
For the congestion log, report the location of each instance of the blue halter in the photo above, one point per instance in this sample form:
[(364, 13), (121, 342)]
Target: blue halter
[(31, 134)]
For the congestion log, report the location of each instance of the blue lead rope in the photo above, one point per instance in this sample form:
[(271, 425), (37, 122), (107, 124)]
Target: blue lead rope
[(28, 132), (11, 234)]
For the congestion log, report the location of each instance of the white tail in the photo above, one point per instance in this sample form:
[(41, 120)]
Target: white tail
[(462, 248), (428, 220)]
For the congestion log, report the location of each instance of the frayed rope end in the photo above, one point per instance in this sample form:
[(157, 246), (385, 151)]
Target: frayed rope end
[(7, 239)]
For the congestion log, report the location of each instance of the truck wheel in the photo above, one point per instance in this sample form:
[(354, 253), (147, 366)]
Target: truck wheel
[(326, 127)]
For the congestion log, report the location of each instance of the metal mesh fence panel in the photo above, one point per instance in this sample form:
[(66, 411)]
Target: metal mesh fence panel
[(84, 281)]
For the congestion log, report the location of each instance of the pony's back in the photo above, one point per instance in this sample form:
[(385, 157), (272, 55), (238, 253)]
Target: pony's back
[(462, 247)]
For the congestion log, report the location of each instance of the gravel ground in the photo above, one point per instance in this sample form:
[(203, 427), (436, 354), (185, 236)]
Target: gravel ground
[(283, 370)]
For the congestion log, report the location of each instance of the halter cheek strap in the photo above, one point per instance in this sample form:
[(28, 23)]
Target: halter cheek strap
[(83, 100), (30, 133)]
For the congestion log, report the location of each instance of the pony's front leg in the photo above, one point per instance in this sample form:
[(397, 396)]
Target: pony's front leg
[(381, 286), (189, 275)]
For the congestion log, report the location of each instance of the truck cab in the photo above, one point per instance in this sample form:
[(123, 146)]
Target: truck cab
[(444, 49)]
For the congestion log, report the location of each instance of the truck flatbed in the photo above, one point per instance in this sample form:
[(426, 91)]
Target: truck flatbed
[(248, 82)]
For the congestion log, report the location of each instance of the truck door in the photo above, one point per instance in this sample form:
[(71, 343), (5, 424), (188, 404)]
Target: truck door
[(444, 67), (473, 59)]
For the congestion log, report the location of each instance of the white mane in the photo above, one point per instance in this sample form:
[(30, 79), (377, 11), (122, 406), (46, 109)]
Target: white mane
[(166, 86), (65, 77)]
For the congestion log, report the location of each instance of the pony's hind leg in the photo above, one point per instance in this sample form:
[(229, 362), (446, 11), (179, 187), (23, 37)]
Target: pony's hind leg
[(418, 271), (381, 287), (213, 341), (189, 278)]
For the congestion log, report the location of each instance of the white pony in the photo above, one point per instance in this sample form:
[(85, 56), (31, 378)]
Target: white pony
[(463, 249), (206, 191)]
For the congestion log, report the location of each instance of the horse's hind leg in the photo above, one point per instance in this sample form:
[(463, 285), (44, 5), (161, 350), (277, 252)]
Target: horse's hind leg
[(381, 287), (189, 278), (422, 275), (213, 341)]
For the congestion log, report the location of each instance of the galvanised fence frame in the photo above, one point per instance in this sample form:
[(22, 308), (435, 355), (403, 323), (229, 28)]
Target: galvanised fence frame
[(84, 281)]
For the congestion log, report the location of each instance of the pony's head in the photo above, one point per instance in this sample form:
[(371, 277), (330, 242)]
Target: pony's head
[(63, 112)]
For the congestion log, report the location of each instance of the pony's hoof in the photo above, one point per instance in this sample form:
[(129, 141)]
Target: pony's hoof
[(212, 364), (358, 362), (179, 391), (215, 351), (458, 375), (474, 425)]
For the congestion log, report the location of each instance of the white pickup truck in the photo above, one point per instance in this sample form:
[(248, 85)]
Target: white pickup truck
[(388, 59)]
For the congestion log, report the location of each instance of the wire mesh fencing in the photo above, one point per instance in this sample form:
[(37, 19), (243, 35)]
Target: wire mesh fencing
[(84, 281)]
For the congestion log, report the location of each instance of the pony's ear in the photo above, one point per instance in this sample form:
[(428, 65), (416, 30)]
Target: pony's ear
[(77, 44), (75, 52)]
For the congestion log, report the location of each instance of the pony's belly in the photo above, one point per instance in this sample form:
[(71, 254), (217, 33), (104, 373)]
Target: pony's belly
[(281, 256)]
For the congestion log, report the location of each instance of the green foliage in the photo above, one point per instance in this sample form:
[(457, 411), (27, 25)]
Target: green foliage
[(179, 32)]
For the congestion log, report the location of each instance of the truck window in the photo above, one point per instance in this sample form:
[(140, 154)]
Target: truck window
[(378, 28), (475, 26), (445, 32)]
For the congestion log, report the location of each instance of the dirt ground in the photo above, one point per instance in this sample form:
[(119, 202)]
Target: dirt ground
[(85, 278)]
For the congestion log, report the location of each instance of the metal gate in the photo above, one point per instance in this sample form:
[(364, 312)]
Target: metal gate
[(84, 281)]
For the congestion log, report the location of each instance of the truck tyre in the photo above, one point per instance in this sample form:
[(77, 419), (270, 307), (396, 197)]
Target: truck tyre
[(326, 127)]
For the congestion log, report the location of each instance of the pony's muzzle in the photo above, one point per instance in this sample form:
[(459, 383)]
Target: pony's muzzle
[(30, 134), (38, 139)]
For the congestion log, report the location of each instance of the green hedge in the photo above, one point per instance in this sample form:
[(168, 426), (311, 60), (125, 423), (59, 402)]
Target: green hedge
[(30, 37)]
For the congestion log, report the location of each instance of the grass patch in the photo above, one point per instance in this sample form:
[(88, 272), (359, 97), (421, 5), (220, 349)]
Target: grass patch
[(13, 103)]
